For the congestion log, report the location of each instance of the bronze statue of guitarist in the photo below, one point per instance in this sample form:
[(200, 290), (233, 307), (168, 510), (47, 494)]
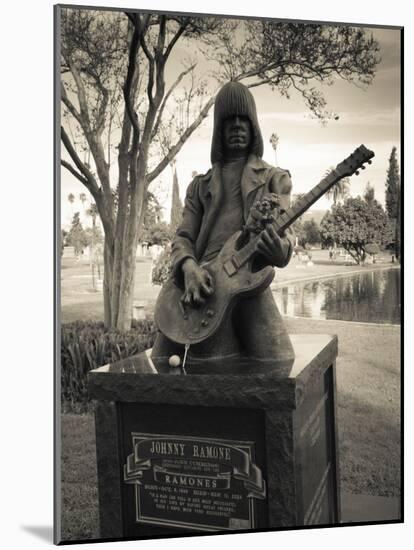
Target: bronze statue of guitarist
[(217, 205)]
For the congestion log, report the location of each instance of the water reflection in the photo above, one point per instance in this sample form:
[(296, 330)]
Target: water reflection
[(372, 297)]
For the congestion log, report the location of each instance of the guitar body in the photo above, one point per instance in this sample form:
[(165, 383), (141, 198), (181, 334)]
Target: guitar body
[(191, 325), (232, 269)]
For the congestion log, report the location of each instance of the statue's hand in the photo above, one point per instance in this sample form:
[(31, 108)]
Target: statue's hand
[(198, 283), (261, 213), (274, 248)]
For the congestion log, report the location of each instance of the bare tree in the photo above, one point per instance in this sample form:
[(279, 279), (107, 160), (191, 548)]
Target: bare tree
[(115, 89)]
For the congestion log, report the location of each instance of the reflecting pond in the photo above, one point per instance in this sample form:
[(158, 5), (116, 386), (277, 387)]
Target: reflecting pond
[(372, 297)]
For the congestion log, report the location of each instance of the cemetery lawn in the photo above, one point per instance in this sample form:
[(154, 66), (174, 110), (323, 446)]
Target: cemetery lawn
[(368, 399), (79, 300)]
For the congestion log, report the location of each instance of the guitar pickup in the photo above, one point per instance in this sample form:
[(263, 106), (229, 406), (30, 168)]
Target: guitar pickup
[(231, 266)]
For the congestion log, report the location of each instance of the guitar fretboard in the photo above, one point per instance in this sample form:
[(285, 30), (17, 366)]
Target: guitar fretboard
[(304, 203), (290, 215)]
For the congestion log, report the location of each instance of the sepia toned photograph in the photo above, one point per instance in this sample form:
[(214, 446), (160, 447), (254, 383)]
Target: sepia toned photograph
[(228, 198)]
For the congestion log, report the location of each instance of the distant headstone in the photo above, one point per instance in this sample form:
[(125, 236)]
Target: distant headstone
[(138, 310)]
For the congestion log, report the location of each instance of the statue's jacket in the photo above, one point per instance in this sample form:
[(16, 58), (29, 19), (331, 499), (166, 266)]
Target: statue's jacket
[(203, 200)]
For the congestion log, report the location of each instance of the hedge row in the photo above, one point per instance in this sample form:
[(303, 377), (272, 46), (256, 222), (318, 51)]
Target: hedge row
[(88, 345)]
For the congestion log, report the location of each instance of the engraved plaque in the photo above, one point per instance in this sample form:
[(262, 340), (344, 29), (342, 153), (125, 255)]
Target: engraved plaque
[(195, 483)]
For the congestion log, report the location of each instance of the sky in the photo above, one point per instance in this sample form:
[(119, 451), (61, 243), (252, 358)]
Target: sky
[(306, 148)]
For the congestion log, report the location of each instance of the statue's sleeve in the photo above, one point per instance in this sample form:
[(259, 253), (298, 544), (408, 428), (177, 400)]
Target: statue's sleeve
[(183, 244), (281, 184)]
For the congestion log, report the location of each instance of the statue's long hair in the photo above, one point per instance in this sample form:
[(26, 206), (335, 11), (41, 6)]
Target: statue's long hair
[(234, 99)]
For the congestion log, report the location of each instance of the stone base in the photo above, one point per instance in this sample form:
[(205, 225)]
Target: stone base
[(238, 449)]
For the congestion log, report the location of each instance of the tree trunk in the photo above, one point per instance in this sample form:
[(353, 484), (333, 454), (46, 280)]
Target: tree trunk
[(128, 260), (120, 262), (126, 297), (107, 284)]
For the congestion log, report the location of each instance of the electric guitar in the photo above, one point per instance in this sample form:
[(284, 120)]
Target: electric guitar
[(233, 270)]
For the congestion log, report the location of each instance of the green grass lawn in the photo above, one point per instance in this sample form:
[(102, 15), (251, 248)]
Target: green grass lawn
[(368, 398), (79, 478), (368, 387)]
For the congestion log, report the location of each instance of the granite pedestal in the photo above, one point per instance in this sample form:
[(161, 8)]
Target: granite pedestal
[(226, 451)]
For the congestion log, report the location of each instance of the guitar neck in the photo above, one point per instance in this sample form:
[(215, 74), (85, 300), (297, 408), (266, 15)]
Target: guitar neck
[(290, 215)]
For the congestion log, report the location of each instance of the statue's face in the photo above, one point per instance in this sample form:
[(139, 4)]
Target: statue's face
[(237, 134)]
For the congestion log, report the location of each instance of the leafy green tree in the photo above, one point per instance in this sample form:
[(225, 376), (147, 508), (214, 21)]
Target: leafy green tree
[(311, 233), (392, 185), (162, 267), (114, 67), (369, 193), (373, 249), (393, 197), (398, 226), (356, 224), (298, 224), (326, 238), (77, 236), (93, 236), (154, 230)]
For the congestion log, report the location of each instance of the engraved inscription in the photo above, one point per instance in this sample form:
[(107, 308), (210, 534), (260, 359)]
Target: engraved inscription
[(194, 483)]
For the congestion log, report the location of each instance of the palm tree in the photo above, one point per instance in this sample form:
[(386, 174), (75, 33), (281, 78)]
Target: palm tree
[(93, 213), (82, 198), (274, 141), (340, 190), (71, 199)]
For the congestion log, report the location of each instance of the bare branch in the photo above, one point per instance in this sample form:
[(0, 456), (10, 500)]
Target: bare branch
[(70, 106), (89, 177), (141, 28), (145, 48), (128, 87), (166, 97), (72, 170), (83, 102), (160, 61), (183, 138), (174, 39), (100, 117), (161, 34), (257, 83)]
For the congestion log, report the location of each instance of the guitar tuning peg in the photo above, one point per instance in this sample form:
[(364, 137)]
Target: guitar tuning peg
[(357, 173), (363, 167), (369, 161)]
